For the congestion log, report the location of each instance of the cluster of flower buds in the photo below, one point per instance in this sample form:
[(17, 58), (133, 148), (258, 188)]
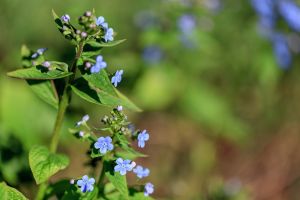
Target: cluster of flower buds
[(91, 27), (118, 138)]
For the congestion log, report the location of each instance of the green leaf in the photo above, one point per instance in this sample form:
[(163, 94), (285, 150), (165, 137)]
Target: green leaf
[(9, 193), (116, 179), (38, 73), (130, 154), (101, 96), (108, 44), (140, 196), (45, 90), (44, 164)]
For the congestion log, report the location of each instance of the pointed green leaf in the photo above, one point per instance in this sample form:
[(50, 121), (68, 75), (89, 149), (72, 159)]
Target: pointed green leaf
[(102, 44), (101, 96), (38, 73), (116, 179), (9, 193), (44, 164), (45, 90)]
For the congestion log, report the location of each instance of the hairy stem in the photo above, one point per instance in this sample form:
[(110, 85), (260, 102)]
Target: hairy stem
[(63, 105), (100, 181)]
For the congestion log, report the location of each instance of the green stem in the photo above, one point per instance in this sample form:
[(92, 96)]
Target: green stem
[(100, 181), (63, 105)]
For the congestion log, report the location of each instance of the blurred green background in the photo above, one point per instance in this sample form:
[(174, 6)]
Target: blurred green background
[(223, 116)]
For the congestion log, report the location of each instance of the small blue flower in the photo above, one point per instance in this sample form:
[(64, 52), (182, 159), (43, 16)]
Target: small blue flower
[(186, 23), (119, 108), (100, 21), (141, 172), (39, 52), (290, 11), (65, 18), (46, 64), (264, 8), (109, 35), (84, 119), (142, 137), (149, 189), (123, 166), (86, 184), (104, 144), (282, 52), (100, 64), (117, 77), (152, 54)]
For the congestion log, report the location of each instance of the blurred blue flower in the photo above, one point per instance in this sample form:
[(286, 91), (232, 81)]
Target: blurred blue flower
[(186, 23), (109, 35), (117, 77), (149, 189), (213, 5), (65, 18), (265, 8), (46, 64), (141, 172), (104, 144), (123, 166), (100, 64), (281, 50), (39, 52), (119, 108), (100, 21), (152, 54), (84, 119), (145, 19), (142, 137), (290, 11), (86, 184)]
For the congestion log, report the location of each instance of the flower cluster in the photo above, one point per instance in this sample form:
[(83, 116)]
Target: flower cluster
[(187, 24), (269, 12), (92, 27), (108, 147)]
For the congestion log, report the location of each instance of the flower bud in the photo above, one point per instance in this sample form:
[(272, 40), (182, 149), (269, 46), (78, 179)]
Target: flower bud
[(83, 34), (88, 13)]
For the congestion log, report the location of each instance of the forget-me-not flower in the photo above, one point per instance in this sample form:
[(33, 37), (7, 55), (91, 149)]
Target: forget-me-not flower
[(152, 54), (117, 77), (142, 137), (86, 184), (104, 144), (39, 52), (84, 119), (290, 11), (281, 50), (66, 18), (100, 64), (149, 189), (109, 35), (100, 21), (141, 172), (123, 166), (119, 108), (186, 23)]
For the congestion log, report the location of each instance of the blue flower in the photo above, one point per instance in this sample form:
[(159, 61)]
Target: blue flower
[(149, 189), (291, 13), (104, 144), (142, 137), (141, 172), (86, 184), (264, 8), (65, 18), (119, 108), (109, 35), (100, 21), (117, 77), (84, 119), (282, 52), (186, 23), (39, 52), (100, 64), (123, 166), (152, 54)]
